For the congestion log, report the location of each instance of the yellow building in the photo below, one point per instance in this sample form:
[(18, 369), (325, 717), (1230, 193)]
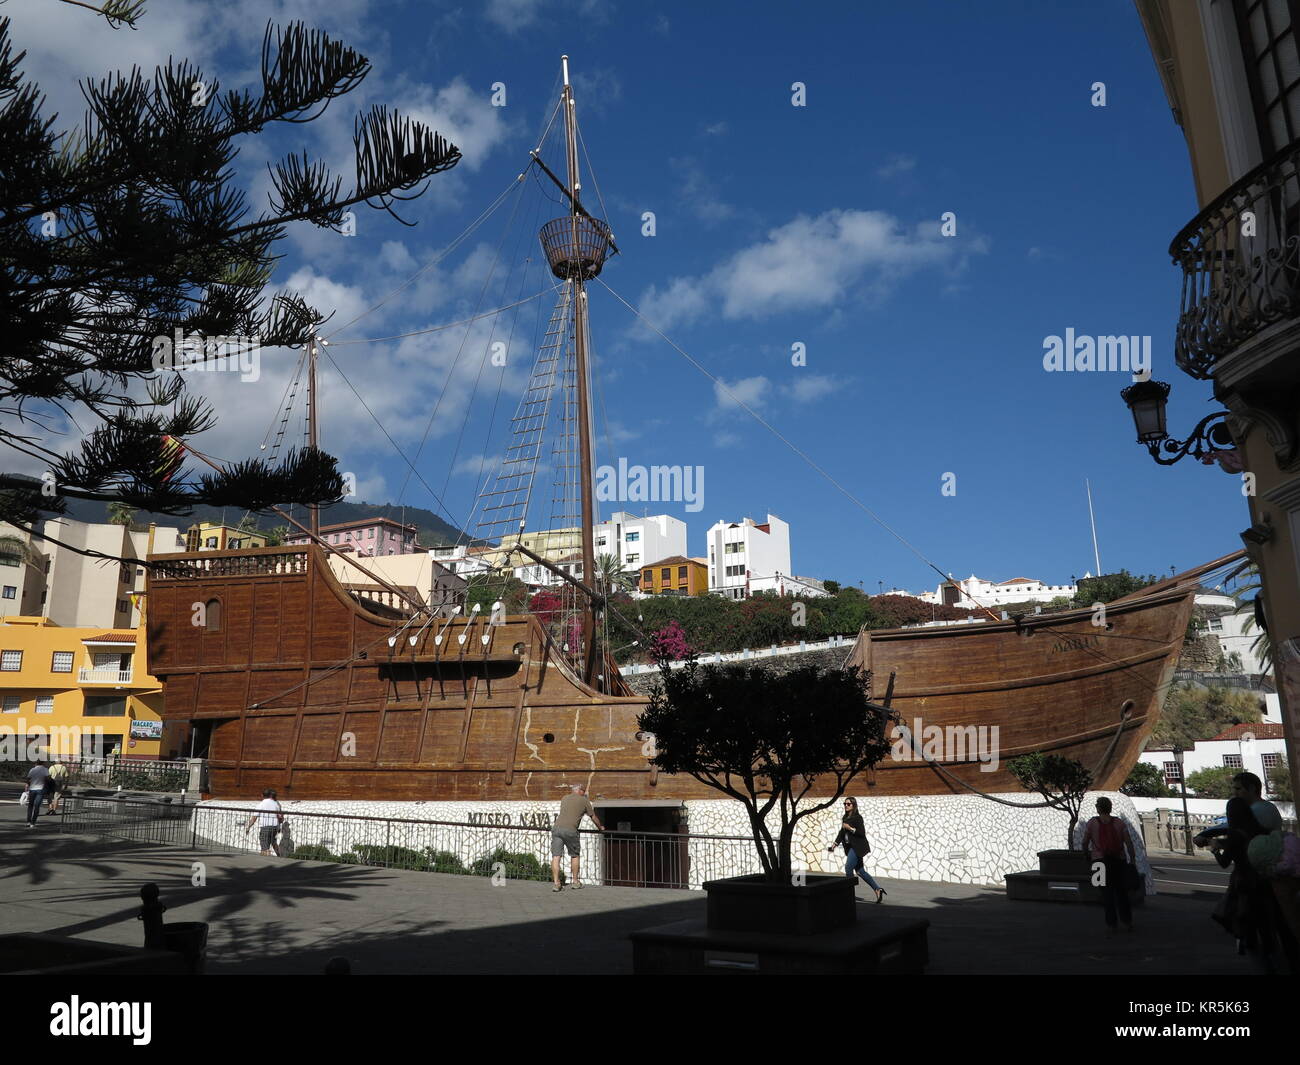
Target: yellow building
[(213, 536), (676, 575), (76, 692)]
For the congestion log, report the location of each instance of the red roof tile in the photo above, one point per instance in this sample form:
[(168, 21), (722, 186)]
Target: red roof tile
[(1261, 730), (111, 637)]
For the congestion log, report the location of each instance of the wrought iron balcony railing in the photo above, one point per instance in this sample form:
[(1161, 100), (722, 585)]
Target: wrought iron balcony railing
[(1241, 264)]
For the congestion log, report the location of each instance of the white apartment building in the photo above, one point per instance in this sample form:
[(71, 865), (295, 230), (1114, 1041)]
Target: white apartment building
[(437, 584), (741, 552), (22, 572), (83, 591), (638, 539), (538, 576), (463, 561)]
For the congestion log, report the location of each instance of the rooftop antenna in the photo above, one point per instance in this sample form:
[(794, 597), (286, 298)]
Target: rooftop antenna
[(1096, 557)]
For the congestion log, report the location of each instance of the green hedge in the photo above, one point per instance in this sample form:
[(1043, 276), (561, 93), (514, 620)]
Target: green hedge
[(518, 866)]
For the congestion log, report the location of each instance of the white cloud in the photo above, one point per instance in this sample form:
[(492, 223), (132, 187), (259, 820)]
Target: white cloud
[(699, 193), (810, 262), (751, 391), (810, 387), (895, 165), (513, 15)]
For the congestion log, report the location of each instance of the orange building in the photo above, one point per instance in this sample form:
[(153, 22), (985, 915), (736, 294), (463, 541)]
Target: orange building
[(676, 575)]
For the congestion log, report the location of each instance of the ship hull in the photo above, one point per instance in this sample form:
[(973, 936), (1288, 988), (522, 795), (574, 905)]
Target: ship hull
[(297, 687)]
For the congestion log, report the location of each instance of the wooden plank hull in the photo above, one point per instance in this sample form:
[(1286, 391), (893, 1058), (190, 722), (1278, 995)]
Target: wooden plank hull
[(305, 692)]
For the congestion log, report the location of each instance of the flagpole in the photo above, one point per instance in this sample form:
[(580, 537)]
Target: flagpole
[(1096, 556)]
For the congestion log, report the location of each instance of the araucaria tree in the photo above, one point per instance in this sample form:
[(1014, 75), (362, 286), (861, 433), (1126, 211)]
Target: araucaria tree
[(766, 740), (1062, 781), (128, 252)]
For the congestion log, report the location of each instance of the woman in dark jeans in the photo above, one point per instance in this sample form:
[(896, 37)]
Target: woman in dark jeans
[(853, 834), (1248, 910)]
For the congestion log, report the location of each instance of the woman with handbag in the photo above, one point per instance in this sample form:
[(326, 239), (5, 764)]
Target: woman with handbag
[(1107, 840), (853, 834)]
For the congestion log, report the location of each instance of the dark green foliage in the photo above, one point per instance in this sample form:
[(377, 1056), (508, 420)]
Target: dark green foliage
[(314, 852), (1112, 586), (712, 623), (1279, 782), (1147, 782), (391, 857), (165, 780), (763, 738), (517, 866), (120, 230), (1214, 782), (1060, 780), (444, 862), (1192, 713)]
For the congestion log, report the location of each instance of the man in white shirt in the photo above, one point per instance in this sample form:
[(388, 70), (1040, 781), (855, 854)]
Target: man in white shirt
[(269, 817)]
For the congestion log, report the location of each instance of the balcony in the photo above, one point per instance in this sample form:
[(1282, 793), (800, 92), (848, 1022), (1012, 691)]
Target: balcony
[(104, 676), (1241, 264)]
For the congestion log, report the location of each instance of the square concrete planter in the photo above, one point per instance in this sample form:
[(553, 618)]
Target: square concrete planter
[(752, 904)]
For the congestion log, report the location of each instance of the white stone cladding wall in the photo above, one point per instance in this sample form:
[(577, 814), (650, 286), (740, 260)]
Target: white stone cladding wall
[(957, 839)]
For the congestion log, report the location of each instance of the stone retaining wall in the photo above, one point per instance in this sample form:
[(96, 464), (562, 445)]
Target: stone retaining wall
[(961, 839)]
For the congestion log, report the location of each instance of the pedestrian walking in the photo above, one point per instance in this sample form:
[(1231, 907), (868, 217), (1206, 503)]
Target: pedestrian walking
[(37, 778), (853, 835), (1107, 840), (269, 817), (564, 835), (56, 785)]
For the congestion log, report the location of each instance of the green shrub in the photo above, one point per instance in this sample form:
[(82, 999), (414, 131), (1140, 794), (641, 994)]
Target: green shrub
[(445, 862), (518, 866), (142, 780), (314, 852), (393, 857)]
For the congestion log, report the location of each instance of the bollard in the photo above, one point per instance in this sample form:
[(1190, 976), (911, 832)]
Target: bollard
[(189, 938), (151, 914)]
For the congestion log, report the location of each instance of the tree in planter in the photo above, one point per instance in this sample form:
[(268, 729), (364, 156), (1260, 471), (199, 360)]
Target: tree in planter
[(1147, 782), (1062, 781), (765, 740)]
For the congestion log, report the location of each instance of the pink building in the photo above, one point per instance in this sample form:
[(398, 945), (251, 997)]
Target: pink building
[(368, 537)]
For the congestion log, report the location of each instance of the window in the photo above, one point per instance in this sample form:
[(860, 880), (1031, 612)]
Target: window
[(681, 573), (1216, 624), (370, 533), (665, 573), (632, 537), (105, 706), (11, 591), (599, 543), (1232, 761), (62, 662), (123, 605), (45, 704), (631, 559), (11, 661), (1173, 773), (8, 560), (211, 541), (124, 573), (12, 704), (1271, 761), (734, 548), (212, 615), (1272, 69), (235, 543)]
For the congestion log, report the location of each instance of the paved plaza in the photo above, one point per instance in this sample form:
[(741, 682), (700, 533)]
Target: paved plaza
[(270, 915)]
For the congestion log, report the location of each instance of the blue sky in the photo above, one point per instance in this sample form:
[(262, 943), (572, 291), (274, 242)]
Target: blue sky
[(775, 224)]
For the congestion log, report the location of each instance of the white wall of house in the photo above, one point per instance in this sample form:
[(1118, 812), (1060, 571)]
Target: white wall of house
[(1244, 755), (740, 552), (977, 592), (636, 540)]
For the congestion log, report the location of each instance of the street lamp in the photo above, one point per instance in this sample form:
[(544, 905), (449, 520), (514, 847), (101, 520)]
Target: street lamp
[(1182, 786), (1146, 402)]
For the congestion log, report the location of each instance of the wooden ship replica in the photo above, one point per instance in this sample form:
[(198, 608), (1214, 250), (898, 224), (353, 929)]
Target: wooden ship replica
[(297, 682)]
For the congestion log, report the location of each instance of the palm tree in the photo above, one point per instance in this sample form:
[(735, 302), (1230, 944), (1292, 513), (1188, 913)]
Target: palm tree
[(610, 577), (16, 549), (120, 513), (1262, 647), (277, 535)]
